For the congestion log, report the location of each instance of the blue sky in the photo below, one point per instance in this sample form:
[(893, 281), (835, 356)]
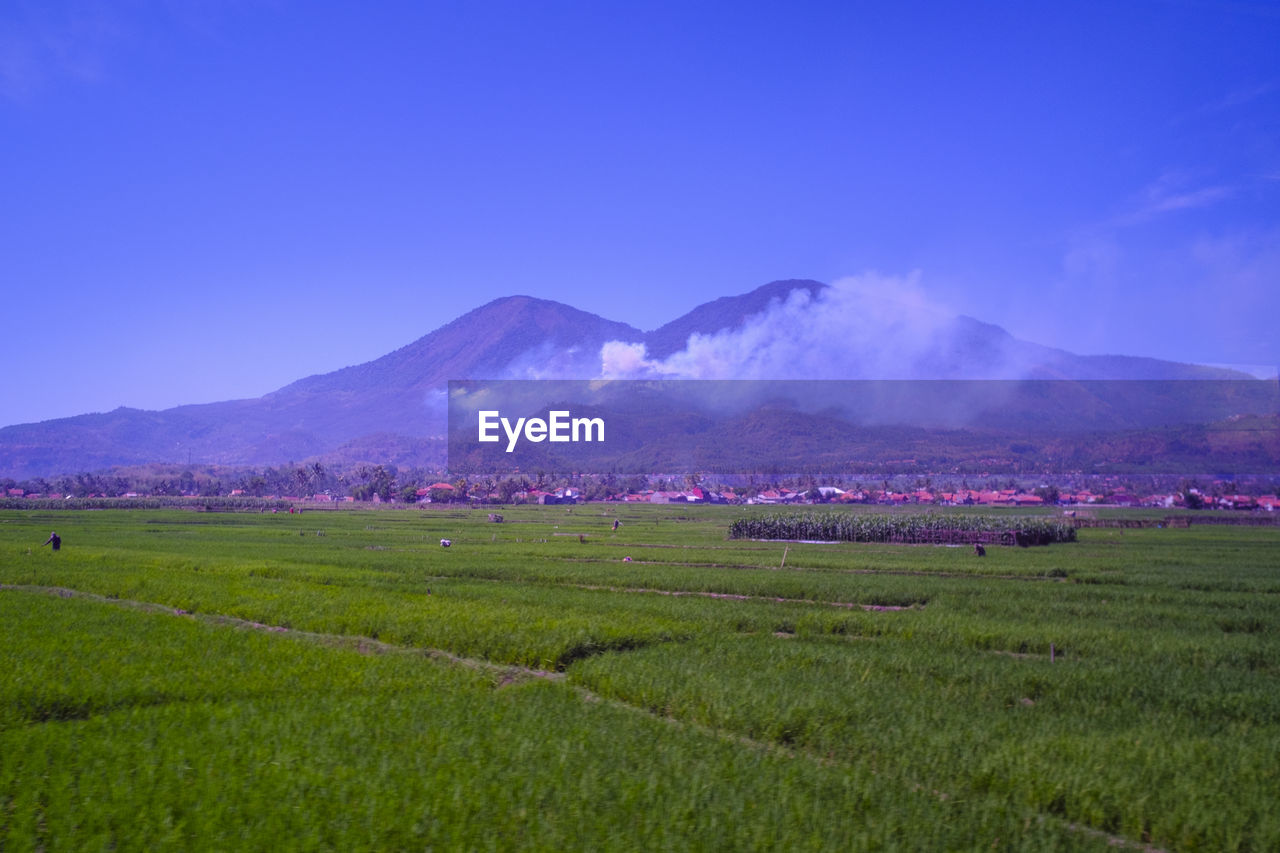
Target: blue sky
[(207, 200)]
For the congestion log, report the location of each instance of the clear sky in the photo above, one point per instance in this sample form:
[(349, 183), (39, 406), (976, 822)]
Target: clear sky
[(208, 200)]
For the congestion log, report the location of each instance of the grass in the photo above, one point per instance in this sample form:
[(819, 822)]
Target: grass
[(703, 695)]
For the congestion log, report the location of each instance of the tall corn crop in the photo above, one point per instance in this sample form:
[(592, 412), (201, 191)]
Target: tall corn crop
[(906, 529)]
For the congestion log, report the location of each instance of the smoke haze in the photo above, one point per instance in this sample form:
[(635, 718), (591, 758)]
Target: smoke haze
[(864, 327)]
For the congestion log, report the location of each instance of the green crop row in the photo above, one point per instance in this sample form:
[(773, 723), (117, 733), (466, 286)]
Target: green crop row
[(917, 527)]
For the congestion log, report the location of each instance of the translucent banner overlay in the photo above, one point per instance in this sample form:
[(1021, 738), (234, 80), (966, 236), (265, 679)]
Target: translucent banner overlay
[(864, 426)]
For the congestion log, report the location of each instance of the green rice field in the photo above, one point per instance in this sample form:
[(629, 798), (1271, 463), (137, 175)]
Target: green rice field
[(337, 680)]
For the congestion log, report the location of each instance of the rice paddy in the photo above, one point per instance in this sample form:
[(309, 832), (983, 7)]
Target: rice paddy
[(338, 681)]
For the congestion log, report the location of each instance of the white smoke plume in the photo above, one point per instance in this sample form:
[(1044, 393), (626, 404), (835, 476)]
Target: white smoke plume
[(864, 327)]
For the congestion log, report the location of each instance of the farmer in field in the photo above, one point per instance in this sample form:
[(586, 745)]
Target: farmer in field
[(54, 539)]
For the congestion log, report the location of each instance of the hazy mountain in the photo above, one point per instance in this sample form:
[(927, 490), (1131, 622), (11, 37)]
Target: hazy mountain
[(346, 412), (727, 312), (858, 426), (880, 338), (385, 408)]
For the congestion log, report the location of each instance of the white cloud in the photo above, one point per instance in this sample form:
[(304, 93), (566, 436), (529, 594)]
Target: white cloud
[(1168, 195)]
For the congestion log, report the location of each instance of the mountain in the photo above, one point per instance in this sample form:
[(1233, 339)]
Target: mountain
[(1042, 362), (484, 342), (727, 312), (958, 347), (391, 408), (348, 412)]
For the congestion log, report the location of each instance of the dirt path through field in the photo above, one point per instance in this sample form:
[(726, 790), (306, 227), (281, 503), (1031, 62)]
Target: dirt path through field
[(903, 572), (737, 597), (504, 674)]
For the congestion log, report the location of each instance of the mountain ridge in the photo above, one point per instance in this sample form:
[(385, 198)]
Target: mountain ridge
[(402, 392)]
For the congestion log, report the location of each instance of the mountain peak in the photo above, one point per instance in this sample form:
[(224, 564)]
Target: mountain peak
[(727, 312), (483, 343), (547, 315)]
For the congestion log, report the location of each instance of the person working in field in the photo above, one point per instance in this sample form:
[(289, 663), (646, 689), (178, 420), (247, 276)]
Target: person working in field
[(54, 539)]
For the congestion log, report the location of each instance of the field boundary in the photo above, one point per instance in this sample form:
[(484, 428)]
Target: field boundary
[(1178, 521), (507, 673)]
